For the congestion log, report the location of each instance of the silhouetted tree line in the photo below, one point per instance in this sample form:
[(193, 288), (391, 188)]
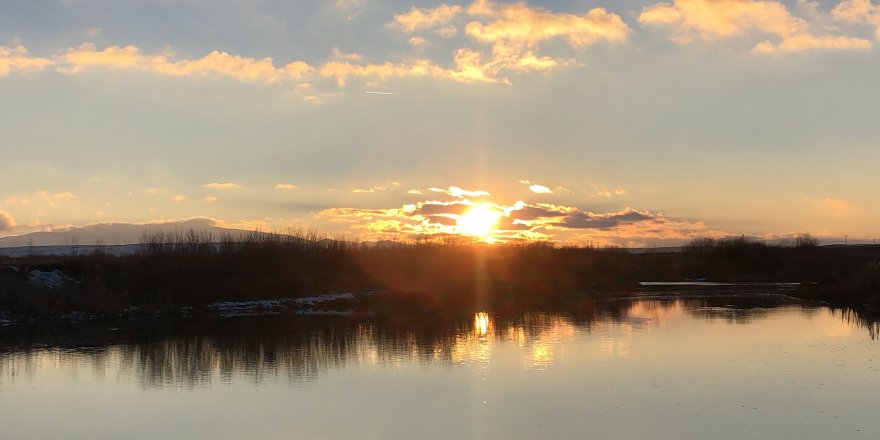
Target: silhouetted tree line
[(192, 269)]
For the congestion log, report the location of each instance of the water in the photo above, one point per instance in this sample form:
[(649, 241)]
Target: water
[(732, 368)]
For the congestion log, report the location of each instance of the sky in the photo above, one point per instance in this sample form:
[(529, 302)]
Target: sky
[(628, 123)]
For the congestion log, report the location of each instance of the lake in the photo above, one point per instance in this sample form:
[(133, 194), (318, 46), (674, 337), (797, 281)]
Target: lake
[(653, 366)]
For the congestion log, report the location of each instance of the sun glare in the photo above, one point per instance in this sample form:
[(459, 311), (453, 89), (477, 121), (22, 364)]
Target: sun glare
[(478, 221)]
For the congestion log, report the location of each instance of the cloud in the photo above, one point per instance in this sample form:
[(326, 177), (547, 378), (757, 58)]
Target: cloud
[(50, 198), (209, 199), (605, 192), (589, 220), (859, 11), (87, 56), (177, 198), (520, 221), (526, 212), (223, 185), (368, 190), (285, 186), (418, 41), (509, 35), (516, 30), (718, 19), (414, 191), (56, 197), (467, 68), (455, 191), (831, 207), (346, 56), (16, 200), (441, 208), (540, 189), (6, 221), (422, 18), (17, 58)]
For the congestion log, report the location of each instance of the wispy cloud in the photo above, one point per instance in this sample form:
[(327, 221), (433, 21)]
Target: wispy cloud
[(418, 41), (17, 200), (17, 59), (285, 186), (421, 18), (369, 190), (209, 199), (56, 197), (605, 192), (455, 191), (177, 198), (222, 185), (831, 207), (219, 63), (346, 56)]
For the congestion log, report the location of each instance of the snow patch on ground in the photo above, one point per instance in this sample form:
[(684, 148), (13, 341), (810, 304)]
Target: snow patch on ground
[(711, 284), (246, 308), (50, 280), (325, 312), (312, 300), (6, 319)]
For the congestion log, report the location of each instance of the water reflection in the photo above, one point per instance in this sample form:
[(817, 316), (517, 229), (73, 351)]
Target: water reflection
[(197, 353)]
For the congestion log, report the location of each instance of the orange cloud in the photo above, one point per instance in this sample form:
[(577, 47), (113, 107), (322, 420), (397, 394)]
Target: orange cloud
[(516, 30), (858, 11), (56, 197), (346, 56), (16, 200), (6, 221), (455, 191), (343, 70), (17, 58), (419, 18), (219, 63), (520, 221), (223, 185), (716, 19), (369, 190), (418, 41), (285, 186), (835, 208)]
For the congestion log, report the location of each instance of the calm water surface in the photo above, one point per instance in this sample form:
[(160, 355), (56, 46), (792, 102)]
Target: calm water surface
[(629, 369)]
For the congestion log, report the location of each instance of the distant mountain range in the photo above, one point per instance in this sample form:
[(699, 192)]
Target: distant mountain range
[(108, 234)]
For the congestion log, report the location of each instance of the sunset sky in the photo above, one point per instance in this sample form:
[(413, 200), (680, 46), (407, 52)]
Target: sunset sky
[(633, 123)]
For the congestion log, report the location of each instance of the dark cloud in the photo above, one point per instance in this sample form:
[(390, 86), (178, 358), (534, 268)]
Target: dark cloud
[(589, 220), (441, 220), (429, 209), (530, 212), (507, 224)]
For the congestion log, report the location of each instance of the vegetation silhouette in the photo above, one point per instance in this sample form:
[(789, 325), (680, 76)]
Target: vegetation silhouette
[(444, 277)]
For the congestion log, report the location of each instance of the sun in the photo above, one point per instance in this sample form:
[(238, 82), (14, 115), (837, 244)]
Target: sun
[(479, 221)]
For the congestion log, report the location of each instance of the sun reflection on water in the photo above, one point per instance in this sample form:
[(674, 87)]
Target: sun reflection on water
[(481, 323), (535, 341)]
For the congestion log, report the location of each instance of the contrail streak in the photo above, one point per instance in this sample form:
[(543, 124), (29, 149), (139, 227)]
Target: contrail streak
[(373, 92)]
